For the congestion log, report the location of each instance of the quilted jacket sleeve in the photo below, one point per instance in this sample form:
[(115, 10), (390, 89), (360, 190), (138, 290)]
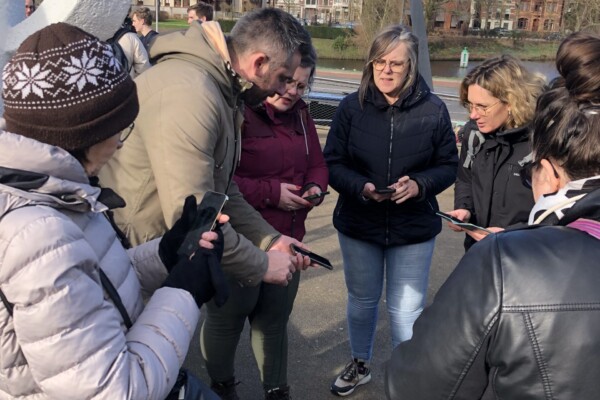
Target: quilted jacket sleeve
[(442, 170), (71, 335), (342, 174), (148, 266)]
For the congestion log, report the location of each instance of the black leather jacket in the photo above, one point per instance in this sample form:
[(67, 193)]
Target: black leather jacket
[(522, 310)]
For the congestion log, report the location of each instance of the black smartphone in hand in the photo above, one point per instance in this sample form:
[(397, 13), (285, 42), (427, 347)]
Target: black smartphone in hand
[(314, 258), (385, 190), (206, 220), (315, 196)]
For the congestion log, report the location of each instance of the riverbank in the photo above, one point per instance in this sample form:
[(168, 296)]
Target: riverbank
[(440, 48), (450, 48)]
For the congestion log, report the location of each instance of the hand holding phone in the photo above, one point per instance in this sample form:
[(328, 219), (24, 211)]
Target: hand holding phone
[(385, 190), (315, 196), (206, 219), (465, 225), (314, 258)]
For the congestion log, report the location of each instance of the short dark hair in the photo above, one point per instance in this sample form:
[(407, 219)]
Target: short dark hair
[(270, 30), (202, 9), (308, 59), (144, 14)]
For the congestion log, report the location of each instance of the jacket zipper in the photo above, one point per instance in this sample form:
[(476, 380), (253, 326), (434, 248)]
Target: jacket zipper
[(388, 175), (236, 152)]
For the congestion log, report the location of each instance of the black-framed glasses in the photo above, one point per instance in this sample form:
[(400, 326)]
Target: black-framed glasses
[(379, 64), (126, 132), (526, 173)]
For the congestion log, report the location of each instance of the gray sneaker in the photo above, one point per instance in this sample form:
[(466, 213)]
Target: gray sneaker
[(354, 374)]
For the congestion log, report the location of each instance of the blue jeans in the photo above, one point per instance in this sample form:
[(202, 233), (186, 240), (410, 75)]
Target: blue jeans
[(406, 270)]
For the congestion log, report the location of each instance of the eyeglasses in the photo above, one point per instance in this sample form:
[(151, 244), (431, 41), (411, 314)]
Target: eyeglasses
[(396, 66), (29, 7), (126, 132), (482, 111), (300, 87), (526, 173)]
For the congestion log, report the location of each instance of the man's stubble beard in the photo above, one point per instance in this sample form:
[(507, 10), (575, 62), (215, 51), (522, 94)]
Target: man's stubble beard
[(256, 94)]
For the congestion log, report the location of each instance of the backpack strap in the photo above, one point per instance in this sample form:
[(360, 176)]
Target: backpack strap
[(525, 160), (588, 226), (106, 284), (473, 147)]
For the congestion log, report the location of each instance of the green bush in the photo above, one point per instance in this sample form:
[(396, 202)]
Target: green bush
[(340, 43), (327, 32), (226, 24)]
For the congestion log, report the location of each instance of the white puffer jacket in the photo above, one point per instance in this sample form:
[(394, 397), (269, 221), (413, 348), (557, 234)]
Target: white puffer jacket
[(66, 339)]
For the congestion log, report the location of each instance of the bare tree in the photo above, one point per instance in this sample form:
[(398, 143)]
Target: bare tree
[(431, 8), (376, 14), (581, 15)]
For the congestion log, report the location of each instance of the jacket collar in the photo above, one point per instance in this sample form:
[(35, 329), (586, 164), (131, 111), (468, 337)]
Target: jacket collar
[(414, 94), (577, 199), (291, 118), (35, 173)]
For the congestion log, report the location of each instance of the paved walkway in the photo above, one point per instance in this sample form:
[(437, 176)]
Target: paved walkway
[(318, 335)]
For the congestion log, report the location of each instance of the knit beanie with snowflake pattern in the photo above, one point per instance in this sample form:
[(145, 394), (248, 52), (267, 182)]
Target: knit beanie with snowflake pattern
[(64, 87)]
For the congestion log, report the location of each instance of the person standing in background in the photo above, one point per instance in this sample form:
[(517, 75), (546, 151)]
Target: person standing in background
[(29, 7), (200, 11), (500, 95), (390, 151), (141, 19), (281, 162), (133, 48)]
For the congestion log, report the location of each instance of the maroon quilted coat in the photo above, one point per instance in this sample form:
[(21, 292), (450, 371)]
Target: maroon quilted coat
[(279, 147)]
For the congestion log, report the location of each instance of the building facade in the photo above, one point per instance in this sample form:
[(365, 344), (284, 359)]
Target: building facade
[(454, 16)]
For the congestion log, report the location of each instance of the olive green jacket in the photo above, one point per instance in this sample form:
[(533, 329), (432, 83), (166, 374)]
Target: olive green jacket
[(187, 141)]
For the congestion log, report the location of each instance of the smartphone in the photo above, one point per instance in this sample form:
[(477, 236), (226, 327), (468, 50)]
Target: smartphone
[(315, 196), (315, 258), (206, 219), (465, 225), (385, 190)]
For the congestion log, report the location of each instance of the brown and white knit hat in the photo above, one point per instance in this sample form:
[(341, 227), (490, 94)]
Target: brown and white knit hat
[(64, 87)]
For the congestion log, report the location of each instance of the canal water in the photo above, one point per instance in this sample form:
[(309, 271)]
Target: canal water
[(446, 69)]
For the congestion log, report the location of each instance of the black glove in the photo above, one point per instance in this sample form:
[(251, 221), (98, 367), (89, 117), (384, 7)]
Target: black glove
[(174, 237), (201, 275)]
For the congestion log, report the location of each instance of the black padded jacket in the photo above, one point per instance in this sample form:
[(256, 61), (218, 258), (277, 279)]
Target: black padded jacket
[(380, 143), (491, 187), (521, 310)]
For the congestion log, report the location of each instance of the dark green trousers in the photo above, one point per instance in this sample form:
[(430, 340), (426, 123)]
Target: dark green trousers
[(267, 308)]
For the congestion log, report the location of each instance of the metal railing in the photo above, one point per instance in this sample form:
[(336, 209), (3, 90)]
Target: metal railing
[(326, 95)]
